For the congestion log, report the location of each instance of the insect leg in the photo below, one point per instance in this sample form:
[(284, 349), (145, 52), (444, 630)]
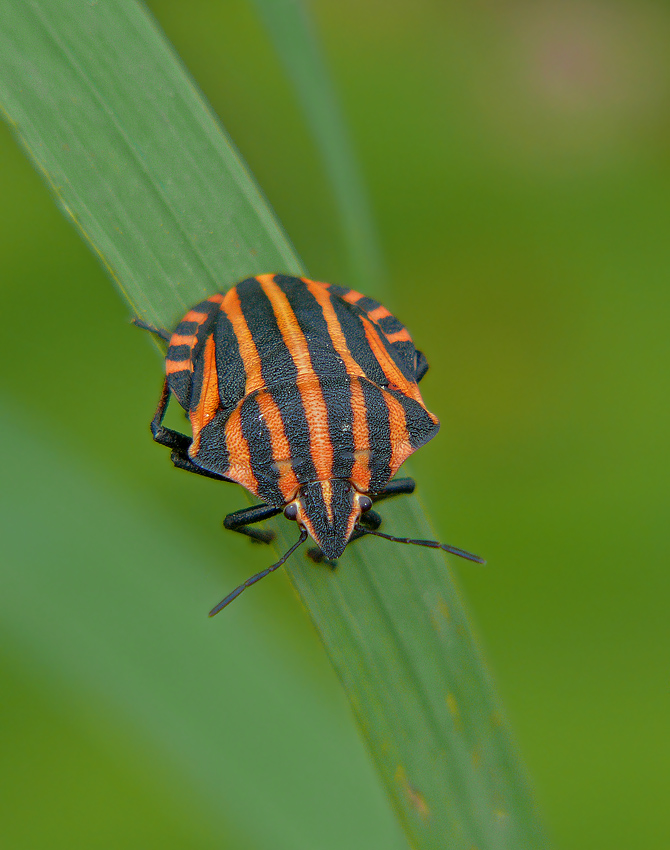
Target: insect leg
[(397, 487), (179, 443), (183, 461), (163, 334), (241, 520), (166, 436), (370, 519)]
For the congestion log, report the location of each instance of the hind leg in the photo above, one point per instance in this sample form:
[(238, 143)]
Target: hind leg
[(179, 443)]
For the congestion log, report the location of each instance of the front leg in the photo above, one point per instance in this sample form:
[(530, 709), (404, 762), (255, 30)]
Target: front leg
[(166, 436), (182, 461), (397, 487), (241, 520), (179, 443), (159, 332)]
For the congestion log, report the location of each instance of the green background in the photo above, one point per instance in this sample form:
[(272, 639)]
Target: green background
[(517, 160)]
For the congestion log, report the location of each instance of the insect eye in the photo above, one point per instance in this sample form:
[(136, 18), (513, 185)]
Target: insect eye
[(365, 503), (291, 511)]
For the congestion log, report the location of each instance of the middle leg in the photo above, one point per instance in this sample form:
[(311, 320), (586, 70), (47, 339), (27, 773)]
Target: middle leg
[(241, 521)]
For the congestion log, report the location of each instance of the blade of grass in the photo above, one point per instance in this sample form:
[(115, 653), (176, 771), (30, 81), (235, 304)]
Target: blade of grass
[(144, 169), (292, 32), (140, 164)]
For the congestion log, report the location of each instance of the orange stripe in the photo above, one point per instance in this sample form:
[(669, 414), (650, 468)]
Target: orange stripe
[(324, 300), (248, 351), (401, 448), (393, 374), (321, 447), (195, 316), (352, 296), (172, 366), (281, 451), (217, 298), (378, 313), (360, 473), (239, 468), (209, 401), (399, 336), (191, 340), (327, 493)]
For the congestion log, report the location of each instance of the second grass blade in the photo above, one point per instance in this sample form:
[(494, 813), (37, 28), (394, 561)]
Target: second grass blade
[(291, 31)]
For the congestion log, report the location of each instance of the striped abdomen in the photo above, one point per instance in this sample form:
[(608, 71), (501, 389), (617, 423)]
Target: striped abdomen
[(288, 381)]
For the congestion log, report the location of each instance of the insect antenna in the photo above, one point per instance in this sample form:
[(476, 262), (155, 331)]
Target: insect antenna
[(432, 544), (258, 576)]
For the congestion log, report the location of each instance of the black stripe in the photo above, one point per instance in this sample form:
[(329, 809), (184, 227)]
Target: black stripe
[(279, 373), (338, 290), (420, 365), (341, 504), (401, 353), (277, 365), (420, 426), (354, 333), (196, 384), (213, 452), (187, 387), (288, 400), (390, 325), (329, 368), (179, 352), (186, 328), (404, 354), (396, 355), (379, 435), (229, 366), (367, 305), (257, 435), (180, 384), (337, 396)]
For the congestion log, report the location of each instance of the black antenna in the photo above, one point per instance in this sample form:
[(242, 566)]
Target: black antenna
[(432, 544), (258, 576)]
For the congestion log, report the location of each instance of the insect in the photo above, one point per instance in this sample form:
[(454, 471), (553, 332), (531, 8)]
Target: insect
[(307, 395)]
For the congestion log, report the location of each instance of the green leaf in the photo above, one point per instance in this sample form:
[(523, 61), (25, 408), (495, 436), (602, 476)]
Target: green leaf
[(133, 154), (143, 168)]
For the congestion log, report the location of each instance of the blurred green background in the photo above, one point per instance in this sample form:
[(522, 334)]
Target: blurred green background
[(517, 160)]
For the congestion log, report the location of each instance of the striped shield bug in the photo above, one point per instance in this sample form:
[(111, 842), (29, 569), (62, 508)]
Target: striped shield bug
[(307, 395)]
